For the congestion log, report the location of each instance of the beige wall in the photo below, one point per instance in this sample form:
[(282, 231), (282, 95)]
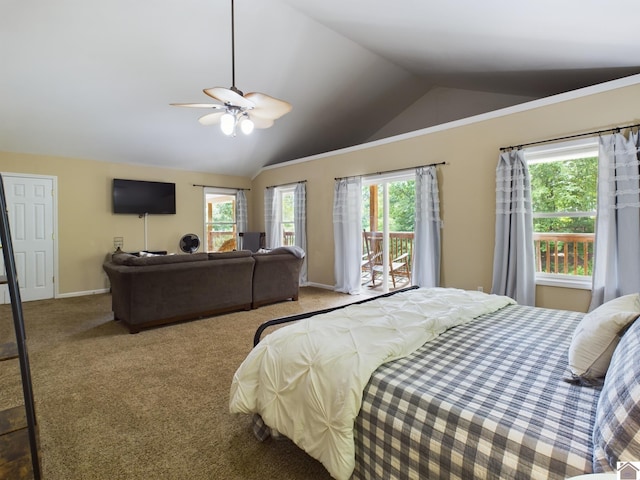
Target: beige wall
[(86, 226), (467, 183)]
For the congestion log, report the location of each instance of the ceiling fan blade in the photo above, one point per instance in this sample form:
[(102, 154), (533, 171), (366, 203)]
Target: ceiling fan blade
[(268, 107), (259, 122), (230, 97), (211, 118), (197, 105)]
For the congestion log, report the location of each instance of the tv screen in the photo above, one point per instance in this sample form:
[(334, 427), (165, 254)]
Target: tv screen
[(140, 197)]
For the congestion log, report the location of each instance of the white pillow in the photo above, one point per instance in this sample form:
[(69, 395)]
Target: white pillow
[(596, 336)]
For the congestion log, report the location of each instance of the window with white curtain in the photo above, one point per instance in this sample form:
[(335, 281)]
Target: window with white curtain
[(564, 199)]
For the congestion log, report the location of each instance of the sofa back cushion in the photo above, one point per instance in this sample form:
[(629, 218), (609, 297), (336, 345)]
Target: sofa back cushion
[(291, 249), (232, 254), (134, 261)]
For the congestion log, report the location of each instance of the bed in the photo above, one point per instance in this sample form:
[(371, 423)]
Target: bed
[(486, 393)]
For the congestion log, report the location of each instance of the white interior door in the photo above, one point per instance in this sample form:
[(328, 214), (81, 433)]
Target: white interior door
[(31, 220)]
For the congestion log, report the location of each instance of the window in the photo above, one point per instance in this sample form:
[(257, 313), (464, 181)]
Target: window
[(287, 226), (564, 194), (220, 220), (284, 228)]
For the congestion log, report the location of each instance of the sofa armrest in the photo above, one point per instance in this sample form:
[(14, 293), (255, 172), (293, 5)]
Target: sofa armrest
[(276, 277)]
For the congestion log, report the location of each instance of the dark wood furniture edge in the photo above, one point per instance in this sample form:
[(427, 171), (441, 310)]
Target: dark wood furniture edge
[(12, 419), (302, 316), (15, 457), (8, 351)]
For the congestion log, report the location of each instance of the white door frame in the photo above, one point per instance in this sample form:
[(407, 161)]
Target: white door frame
[(54, 179)]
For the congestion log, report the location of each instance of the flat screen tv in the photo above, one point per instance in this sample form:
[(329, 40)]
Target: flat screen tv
[(140, 197)]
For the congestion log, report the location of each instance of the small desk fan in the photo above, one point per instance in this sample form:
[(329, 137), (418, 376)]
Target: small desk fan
[(189, 243)]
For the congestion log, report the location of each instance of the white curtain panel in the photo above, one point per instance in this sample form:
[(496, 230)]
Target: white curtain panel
[(513, 258), (271, 219), (426, 247), (300, 224), (242, 222), (347, 234), (616, 269)]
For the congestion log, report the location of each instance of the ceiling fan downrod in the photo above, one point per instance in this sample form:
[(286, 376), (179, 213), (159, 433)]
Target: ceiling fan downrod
[(233, 52)]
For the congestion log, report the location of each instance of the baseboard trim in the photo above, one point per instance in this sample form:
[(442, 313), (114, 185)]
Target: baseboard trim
[(82, 294), (318, 285), (107, 290)]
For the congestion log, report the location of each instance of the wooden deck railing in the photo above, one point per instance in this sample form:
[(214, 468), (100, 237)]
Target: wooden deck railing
[(566, 253), (289, 238), (226, 240), (399, 244)]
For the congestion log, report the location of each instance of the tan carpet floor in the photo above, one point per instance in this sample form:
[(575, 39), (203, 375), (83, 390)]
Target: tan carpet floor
[(154, 405)]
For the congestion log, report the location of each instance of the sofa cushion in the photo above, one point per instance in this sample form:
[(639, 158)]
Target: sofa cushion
[(227, 255), (293, 250), (134, 261)]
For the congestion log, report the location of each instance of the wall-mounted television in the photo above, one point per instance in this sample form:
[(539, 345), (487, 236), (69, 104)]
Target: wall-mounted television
[(140, 197)]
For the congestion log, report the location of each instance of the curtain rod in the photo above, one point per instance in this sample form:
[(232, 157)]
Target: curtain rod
[(578, 135), (216, 186), (285, 184), (395, 170)]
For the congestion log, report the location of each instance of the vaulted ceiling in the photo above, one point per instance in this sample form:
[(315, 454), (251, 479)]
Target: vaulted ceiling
[(94, 80)]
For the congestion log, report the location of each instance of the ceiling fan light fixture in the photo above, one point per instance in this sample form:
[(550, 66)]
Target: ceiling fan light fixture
[(228, 124), (234, 104), (246, 125)]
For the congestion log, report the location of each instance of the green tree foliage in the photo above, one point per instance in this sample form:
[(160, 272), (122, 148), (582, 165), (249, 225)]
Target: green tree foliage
[(567, 186), (287, 207), (288, 217), (223, 212), (223, 215), (402, 205)]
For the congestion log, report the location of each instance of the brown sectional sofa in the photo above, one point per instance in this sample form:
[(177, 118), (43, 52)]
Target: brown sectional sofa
[(154, 290)]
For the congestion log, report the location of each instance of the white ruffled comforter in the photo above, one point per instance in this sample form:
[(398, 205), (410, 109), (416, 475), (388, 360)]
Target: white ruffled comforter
[(306, 380)]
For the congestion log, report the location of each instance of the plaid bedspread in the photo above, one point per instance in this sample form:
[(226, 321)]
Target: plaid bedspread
[(485, 400)]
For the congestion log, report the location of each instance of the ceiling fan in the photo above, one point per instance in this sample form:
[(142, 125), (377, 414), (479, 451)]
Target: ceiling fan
[(253, 110)]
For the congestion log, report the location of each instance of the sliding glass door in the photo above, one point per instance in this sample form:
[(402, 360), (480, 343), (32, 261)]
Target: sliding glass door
[(388, 220)]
